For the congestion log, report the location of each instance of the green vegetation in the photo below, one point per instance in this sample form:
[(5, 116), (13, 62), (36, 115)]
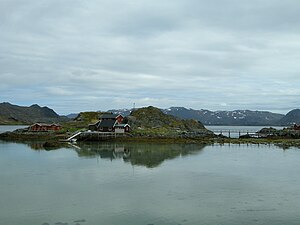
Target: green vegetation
[(152, 122), (81, 122), (286, 133), (10, 121)]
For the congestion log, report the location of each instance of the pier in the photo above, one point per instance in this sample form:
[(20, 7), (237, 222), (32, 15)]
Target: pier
[(236, 133), (93, 136)]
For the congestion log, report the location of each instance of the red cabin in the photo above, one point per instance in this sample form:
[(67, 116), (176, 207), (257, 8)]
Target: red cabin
[(296, 127), (44, 127), (118, 117)]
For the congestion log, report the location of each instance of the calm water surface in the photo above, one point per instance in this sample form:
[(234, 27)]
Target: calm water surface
[(234, 130), (141, 184), (4, 128)]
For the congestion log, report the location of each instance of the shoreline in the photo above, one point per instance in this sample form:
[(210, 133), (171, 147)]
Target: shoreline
[(57, 138)]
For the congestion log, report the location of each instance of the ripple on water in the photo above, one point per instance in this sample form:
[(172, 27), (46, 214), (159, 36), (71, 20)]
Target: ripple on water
[(80, 221), (77, 222)]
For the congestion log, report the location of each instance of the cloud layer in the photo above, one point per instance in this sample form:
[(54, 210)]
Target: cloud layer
[(99, 54)]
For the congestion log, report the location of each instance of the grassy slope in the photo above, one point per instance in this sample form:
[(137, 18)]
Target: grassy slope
[(152, 121), (82, 121)]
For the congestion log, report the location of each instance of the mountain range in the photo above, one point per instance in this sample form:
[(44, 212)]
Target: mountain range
[(233, 118), (14, 114), (230, 118)]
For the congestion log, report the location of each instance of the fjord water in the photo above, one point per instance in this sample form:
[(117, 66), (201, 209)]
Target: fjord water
[(4, 128), (236, 130), (141, 184)]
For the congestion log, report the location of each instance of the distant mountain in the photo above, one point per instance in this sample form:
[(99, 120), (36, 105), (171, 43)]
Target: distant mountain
[(14, 114), (233, 118), (72, 115), (123, 112), (291, 117)]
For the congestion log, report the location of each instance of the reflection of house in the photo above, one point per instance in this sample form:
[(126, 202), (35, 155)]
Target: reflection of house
[(44, 127), (105, 150), (110, 123)]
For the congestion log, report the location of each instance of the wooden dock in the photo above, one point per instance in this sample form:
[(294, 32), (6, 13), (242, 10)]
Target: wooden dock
[(93, 136)]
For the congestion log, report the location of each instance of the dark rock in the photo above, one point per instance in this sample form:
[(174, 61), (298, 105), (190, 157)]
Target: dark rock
[(51, 145)]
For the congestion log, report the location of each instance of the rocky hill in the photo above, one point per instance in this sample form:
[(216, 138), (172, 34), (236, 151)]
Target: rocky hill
[(82, 121), (153, 121), (290, 118), (13, 114)]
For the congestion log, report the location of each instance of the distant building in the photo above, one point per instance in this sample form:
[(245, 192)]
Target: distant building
[(107, 125), (118, 117), (122, 128), (110, 123), (296, 127), (37, 127)]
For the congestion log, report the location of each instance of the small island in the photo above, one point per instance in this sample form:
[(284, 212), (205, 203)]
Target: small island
[(148, 124)]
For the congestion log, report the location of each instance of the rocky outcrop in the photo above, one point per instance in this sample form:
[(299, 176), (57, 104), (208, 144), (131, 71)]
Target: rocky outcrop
[(291, 117), (151, 121)]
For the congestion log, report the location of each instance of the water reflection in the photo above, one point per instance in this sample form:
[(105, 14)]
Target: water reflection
[(39, 145), (142, 154), (225, 184)]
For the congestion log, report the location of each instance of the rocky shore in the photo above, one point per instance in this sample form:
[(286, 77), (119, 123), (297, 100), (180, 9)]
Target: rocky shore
[(52, 139)]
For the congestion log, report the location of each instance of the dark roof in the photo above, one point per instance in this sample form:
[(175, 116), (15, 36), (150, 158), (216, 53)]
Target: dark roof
[(107, 123), (110, 116), (95, 124)]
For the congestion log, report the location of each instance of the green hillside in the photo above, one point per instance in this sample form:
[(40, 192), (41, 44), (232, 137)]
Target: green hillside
[(152, 121), (82, 121)]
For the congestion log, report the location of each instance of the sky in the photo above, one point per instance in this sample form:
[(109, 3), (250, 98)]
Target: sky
[(74, 55)]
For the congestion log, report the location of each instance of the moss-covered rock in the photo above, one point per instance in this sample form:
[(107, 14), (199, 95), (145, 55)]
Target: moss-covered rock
[(151, 121), (88, 117)]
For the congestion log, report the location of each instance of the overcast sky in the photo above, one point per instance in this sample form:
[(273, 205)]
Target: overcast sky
[(74, 55)]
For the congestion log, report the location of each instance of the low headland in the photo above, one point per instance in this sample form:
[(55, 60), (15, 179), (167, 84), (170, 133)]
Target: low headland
[(150, 124)]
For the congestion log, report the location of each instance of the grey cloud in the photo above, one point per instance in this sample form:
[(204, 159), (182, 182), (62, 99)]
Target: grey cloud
[(108, 54)]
